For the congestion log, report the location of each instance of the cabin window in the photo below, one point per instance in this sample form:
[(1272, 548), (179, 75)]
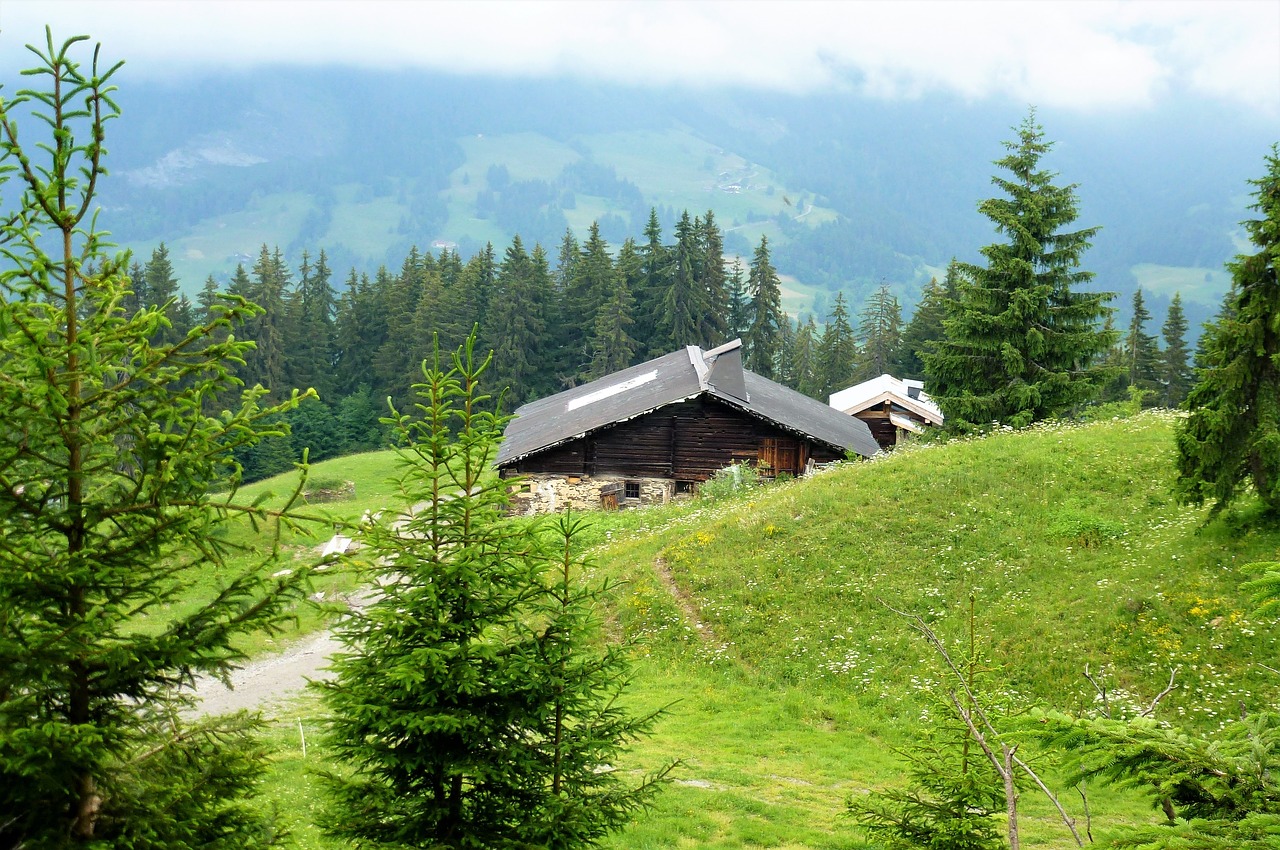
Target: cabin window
[(632, 490), (684, 488)]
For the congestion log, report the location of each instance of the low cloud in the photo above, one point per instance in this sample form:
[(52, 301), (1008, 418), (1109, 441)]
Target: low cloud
[(1086, 56)]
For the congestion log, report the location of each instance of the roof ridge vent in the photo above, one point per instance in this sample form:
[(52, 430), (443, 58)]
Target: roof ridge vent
[(696, 358), (721, 349), (726, 371)]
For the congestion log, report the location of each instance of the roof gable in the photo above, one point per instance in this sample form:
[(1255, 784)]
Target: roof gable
[(861, 396)]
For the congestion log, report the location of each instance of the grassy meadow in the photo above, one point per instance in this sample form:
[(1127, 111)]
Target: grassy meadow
[(761, 621)]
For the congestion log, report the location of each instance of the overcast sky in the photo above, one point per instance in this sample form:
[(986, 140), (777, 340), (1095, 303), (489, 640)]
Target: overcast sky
[(1085, 54)]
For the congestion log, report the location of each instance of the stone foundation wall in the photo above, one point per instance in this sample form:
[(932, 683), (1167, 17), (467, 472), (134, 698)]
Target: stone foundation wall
[(548, 493)]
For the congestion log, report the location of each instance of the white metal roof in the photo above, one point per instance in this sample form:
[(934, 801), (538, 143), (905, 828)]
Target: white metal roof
[(861, 396)]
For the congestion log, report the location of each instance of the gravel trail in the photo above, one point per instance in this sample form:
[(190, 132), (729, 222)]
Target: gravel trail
[(268, 679)]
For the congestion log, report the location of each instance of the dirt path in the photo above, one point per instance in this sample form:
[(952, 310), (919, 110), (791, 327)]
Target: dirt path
[(273, 678), (685, 602), (269, 679)]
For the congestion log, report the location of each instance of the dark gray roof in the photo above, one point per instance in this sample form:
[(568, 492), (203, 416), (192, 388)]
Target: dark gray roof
[(679, 376)]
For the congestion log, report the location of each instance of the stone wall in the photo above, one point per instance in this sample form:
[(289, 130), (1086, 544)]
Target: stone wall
[(548, 493)]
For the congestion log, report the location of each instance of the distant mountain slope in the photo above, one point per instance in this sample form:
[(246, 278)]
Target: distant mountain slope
[(851, 191)]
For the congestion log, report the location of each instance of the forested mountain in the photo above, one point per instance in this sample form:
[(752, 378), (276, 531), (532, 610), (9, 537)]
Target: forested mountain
[(850, 192)]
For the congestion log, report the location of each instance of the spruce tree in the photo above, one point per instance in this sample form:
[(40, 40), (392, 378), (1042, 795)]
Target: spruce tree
[(468, 703), (1233, 431), (107, 465), (395, 361), (880, 326), (837, 352), (739, 302), (763, 342), (1141, 353), (682, 301), (715, 324), (461, 307), (354, 329), (1176, 376), (161, 290), (594, 282), (516, 326), (1022, 343), (270, 282), (317, 336), (208, 300), (786, 353), (649, 294), (804, 359), (925, 326), (612, 346), (1226, 311)]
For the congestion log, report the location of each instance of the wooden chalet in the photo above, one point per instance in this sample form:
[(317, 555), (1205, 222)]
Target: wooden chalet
[(892, 408), (655, 430)]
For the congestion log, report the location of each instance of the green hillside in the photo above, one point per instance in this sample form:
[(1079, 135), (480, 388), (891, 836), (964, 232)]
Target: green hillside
[(365, 222), (761, 620), (1066, 535)]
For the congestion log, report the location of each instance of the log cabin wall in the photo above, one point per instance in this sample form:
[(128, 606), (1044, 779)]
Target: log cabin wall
[(688, 441)]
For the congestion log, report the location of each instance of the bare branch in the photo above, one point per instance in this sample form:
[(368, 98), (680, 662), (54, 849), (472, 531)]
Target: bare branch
[(1011, 795), (1151, 709), (1102, 692), (1053, 798), (977, 735), (933, 640), (1088, 818)]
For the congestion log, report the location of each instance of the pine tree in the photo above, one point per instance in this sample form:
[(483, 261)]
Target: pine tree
[(763, 342), (1233, 431), (682, 301), (160, 289), (594, 282), (612, 346), (837, 351), (107, 463), (517, 326), (715, 324), (207, 300), (355, 329), (1176, 376), (270, 281), (925, 326), (1021, 343), (467, 702), (880, 326), (739, 302), (657, 265), (804, 360), (1141, 353)]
